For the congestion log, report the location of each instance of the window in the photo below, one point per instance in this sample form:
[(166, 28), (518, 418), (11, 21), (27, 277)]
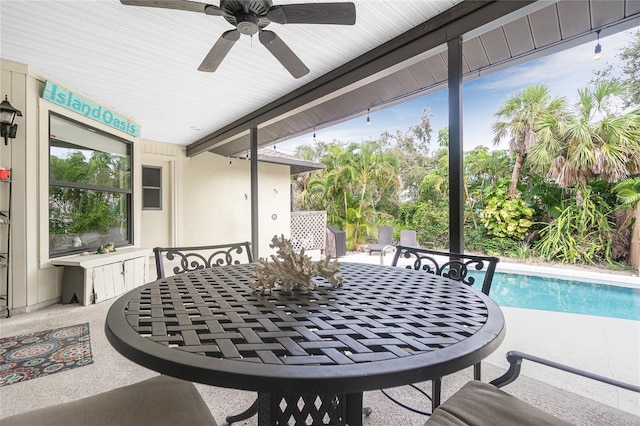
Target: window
[(151, 188), (90, 195)]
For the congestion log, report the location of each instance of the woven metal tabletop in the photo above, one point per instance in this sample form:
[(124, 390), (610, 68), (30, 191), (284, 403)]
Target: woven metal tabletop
[(382, 326)]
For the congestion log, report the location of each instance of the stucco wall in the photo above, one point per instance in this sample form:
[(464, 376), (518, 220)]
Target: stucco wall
[(218, 209)]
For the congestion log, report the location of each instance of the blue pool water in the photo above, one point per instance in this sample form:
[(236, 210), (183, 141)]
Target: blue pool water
[(552, 294)]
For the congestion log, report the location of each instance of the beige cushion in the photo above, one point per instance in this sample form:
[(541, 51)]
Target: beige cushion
[(161, 400), (482, 404)]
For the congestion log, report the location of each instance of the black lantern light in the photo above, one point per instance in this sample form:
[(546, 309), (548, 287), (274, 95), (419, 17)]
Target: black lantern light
[(7, 117), (598, 51)]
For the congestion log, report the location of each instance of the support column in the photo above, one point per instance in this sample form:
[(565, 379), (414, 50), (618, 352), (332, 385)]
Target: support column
[(254, 192), (456, 168)]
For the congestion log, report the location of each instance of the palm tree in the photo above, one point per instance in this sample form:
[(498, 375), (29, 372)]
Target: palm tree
[(594, 141), (358, 177), (521, 114), (628, 191)]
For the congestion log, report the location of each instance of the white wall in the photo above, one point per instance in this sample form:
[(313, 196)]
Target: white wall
[(207, 201), (218, 209)]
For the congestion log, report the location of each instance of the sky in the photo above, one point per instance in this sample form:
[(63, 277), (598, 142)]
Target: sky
[(563, 73)]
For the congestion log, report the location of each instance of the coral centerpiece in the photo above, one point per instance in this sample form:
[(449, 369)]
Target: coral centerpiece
[(290, 270)]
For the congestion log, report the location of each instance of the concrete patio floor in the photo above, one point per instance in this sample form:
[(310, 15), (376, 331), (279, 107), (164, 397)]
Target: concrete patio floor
[(606, 346)]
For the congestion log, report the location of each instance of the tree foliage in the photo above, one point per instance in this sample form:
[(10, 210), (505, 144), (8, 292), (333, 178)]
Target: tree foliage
[(521, 114), (553, 193), (411, 152), (580, 234), (595, 140)]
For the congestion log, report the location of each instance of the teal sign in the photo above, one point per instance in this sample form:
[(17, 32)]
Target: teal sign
[(66, 98)]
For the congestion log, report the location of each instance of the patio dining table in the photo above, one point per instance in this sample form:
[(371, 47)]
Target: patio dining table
[(308, 354)]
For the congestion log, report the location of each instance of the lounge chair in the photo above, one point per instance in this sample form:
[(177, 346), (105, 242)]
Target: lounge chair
[(479, 403), (409, 238), (385, 238)]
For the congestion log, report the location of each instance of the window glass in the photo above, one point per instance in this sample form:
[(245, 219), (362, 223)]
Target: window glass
[(89, 188), (151, 188)]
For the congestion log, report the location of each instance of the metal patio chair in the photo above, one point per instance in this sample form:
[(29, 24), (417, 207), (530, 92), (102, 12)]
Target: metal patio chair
[(457, 267), (158, 401), (187, 259), (486, 404)]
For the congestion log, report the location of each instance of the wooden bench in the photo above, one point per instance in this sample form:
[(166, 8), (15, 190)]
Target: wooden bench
[(94, 278)]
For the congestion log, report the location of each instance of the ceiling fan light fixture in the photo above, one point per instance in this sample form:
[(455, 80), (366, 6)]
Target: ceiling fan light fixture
[(247, 24)]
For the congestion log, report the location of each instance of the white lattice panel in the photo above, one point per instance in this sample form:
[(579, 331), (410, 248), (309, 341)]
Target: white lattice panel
[(308, 230)]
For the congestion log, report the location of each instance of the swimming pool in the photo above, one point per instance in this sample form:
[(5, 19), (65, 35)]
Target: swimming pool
[(559, 295)]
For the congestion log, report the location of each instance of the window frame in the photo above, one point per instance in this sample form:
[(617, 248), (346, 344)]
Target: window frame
[(152, 187), (129, 192)]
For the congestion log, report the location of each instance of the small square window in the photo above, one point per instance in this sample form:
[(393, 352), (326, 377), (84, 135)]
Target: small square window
[(151, 188)]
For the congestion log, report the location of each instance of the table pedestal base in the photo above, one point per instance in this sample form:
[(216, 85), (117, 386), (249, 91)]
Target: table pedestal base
[(328, 409)]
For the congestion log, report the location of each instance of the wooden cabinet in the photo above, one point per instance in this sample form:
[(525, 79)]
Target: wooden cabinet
[(98, 277)]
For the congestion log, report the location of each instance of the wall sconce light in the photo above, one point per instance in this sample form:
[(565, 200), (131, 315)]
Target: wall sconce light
[(598, 52), (368, 119), (275, 190), (7, 116)]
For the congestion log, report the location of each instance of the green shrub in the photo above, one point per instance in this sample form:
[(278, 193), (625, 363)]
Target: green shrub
[(507, 218), (580, 234)]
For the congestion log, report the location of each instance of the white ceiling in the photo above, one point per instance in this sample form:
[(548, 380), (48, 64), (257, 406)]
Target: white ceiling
[(143, 62)]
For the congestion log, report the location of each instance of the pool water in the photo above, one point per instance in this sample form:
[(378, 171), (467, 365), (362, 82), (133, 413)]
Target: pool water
[(552, 294)]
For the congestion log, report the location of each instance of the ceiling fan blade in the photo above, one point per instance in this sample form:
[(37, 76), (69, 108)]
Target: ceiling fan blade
[(283, 53), (219, 51), (189, 6), (314, 13)]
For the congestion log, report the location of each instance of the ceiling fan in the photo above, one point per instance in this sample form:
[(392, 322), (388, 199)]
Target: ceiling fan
[(252, 16)]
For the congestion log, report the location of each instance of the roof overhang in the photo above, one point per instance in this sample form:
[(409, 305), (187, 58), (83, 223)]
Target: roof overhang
[(297, 165), (495, 35)]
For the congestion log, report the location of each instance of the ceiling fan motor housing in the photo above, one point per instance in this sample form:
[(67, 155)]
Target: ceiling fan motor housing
[(248, 16)]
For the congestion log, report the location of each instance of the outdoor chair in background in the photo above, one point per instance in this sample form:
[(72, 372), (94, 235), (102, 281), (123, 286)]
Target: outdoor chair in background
[(455, 266), (385, 239), (409, 238), (186, 259), (479, 403)]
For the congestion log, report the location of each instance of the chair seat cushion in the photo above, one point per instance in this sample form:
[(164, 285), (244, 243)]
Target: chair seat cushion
[(161, 400), (478, 403)]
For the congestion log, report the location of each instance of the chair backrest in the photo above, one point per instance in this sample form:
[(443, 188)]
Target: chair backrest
[(409, 238), (451, 265), (187, 259), (385, 235)]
